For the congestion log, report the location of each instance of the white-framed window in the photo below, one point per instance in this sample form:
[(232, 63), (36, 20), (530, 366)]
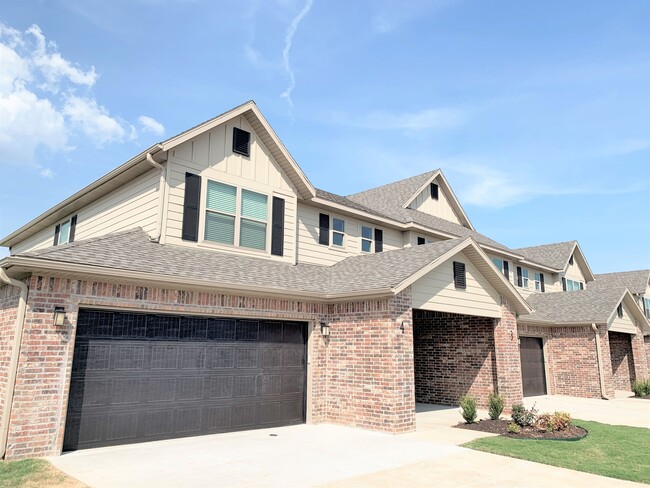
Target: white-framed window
[(366, 239), (572, 285), (646, 306), (338, 232), (538, 283), (524, 275), (64, 231), (236, 216)]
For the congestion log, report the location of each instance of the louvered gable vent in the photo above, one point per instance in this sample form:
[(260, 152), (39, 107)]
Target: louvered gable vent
[(241, 141), (460, 278)]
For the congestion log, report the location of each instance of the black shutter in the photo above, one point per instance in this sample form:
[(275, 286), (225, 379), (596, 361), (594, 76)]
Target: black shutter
[(379, 240), (541, 282), (277, 229), (73, 228), (434, 191), (241, 142), (506, 270), (57, 231), (582, 285), (563, 283), (421, 241), (571, 260), (460, 280), (191, 207), (520, 280), (324, 225)]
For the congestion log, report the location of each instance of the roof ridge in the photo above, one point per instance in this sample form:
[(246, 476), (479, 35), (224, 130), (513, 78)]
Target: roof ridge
[(549, 244), (394, 182)]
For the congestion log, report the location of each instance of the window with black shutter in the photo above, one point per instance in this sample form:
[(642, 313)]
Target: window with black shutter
[(64, 231), (277, 229), (460, 279), (421, 241), (434, 191), (324, 229), (563, 283), (241, 141), (73, 228), (190, 231), (379, 240), (541, 282), (520, 278)]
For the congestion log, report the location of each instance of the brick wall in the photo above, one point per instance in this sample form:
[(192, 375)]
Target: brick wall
[(646, 345), (508, 359), (9, 296), (620, 348), (454, 355), (570, 357), (639, 355), (362, 375), (369, 371)]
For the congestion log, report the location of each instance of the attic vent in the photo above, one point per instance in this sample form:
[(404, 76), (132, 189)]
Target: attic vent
[(460, 280), (434, 191), (421, 241), (241, 142), (571, 260)]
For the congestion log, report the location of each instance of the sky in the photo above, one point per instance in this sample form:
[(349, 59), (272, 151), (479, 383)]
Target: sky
[(538, 113)]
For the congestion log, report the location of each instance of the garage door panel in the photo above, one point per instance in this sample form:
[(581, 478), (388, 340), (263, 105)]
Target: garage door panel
[(532, 366), (150, 383)]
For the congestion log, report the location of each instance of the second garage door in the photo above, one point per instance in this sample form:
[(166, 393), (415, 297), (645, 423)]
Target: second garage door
[(139, 377)]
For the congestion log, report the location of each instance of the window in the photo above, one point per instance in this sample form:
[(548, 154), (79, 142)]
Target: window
[(619, 310), (434, 191), (65, 231), (525, 275), (366, 239), (646, 307), (241, 142), (228, 221), (539, 282), (460, 278), (572, 285), (338, 232), (503, 266)]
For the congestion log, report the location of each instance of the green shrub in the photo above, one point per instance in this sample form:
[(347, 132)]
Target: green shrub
[(468, 409), (523, 417), (513, 428), (495, 406), (641, 388), (544, 422), (552, 422)]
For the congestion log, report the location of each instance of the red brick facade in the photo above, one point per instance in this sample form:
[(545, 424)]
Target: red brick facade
[(623, 372), (361, 375), (454, 356), (9, 297)]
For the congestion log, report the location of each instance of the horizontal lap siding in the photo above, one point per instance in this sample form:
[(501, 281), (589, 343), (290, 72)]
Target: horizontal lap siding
[(623, 324), (440, 208), (436, 291)]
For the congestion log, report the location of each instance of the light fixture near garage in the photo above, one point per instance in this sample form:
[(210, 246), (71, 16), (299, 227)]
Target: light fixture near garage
[(324, 329), (59, 316)]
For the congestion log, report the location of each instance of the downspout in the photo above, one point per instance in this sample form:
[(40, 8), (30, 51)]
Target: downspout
[(161, 198), (15, 356), (601, 375)]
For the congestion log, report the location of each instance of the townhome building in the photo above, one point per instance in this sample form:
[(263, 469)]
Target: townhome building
[(207, 286)]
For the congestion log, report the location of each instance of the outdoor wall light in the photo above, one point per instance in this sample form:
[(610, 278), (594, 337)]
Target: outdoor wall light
[(324, 329), (59, 316)]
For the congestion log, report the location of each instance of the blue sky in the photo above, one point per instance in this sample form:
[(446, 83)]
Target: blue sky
[(537, 112)]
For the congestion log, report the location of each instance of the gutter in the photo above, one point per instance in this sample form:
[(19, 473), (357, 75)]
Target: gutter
[(15, 356), (161, 199), (601, 375)]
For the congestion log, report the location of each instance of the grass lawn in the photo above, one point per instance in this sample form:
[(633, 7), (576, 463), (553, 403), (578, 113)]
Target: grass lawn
[(34, 473), (616, 451)]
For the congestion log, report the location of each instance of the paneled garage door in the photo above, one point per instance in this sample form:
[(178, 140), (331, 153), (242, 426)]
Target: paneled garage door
[(532, 366), (140, 377)]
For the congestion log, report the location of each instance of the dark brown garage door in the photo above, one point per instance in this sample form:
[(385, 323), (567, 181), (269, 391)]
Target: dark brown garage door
[(140, 377), (532, 366)]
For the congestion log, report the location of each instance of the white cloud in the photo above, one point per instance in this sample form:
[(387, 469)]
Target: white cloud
[(428, 119), (288, 42), (151, 125), (40, 110), (93, 120), (391, 15)]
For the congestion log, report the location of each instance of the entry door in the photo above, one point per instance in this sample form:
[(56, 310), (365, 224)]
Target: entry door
[(532, 366)]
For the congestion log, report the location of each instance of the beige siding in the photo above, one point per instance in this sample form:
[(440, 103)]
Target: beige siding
[(574, 272), (436, 291), (551, 280), (210, 155), (134, 204), (624, 324), (440, 208), (310, 251)]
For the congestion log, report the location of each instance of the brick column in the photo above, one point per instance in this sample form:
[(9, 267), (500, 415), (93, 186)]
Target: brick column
[(606, 361), (641, 367), (508, 362)]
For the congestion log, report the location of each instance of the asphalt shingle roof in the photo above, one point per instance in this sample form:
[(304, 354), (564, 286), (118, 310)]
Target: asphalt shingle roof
[(552, 255), (635, 281), (384, 198), (593, 305), (133, 251)]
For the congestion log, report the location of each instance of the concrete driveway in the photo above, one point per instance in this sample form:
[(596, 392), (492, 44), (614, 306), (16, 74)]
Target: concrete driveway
[(320, 455)]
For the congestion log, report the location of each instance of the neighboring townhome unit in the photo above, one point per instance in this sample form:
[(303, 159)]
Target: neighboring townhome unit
[(207, 286)]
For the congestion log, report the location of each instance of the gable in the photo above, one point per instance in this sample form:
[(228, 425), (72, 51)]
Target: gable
[(439, 207), (436, 291), (625, 324)]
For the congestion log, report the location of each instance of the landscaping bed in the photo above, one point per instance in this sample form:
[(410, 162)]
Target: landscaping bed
[(573, 432)]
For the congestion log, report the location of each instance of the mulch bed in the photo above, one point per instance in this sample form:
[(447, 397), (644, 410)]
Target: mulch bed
[(501, 427)]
